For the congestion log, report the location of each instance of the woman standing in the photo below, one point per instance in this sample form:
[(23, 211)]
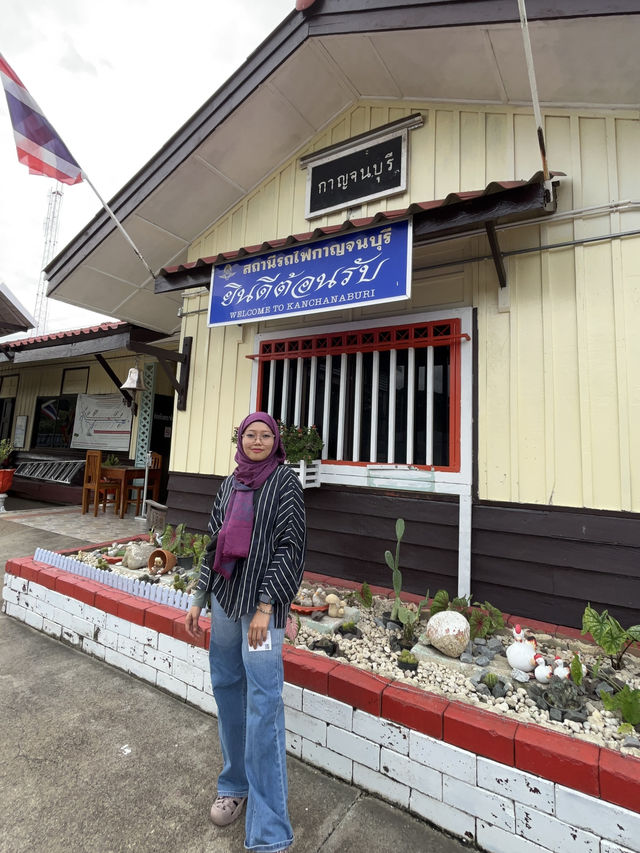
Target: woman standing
[(258, 534)]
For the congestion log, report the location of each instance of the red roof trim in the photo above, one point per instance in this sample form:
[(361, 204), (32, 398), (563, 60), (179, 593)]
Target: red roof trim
[(353, 224), (56, 336)]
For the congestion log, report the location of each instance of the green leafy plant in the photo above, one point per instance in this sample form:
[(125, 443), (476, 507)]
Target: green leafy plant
[(626, 701), (179, 584), (365, 596), (576, 670), (441, 601), (348, 627), (394, 565), (6, 449), (406, 656), (490, 679), (407, 617), (111, 460), (299, 442), (198, 546), (485, 620), (609, 634)]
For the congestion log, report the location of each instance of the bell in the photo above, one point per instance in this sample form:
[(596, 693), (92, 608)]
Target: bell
[(134, 381)]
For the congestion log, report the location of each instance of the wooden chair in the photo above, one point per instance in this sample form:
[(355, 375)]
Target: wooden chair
[(96, 487), (136, 488)]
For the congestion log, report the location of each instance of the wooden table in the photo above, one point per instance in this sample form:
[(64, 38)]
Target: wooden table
[(126, 475)]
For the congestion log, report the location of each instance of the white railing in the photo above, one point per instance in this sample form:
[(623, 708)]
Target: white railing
[(152, 592)]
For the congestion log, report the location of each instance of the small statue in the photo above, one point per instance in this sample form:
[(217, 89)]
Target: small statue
[(336, 606), (157, 567), (319, 597), (520, 653), (542, 673)]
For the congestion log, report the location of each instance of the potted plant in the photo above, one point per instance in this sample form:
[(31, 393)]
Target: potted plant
[(187, 548), (303, 446), (6, 473), (407, 661)]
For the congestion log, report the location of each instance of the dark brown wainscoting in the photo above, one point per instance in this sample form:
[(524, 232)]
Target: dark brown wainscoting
[(46, 491), (544, 563)]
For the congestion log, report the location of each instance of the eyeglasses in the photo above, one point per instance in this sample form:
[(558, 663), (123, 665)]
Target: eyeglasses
[(263, 437)]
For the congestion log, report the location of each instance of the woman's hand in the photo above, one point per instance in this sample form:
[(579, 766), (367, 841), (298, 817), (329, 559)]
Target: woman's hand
[(258, 628), (191, 622)]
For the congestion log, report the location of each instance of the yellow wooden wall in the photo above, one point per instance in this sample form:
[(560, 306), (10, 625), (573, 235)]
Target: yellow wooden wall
[(558, 388), (39, 379)]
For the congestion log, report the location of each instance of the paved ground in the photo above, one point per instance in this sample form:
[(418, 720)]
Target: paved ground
[(94, 761)]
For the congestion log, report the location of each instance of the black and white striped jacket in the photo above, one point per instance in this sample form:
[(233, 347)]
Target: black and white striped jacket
[(275, 562)]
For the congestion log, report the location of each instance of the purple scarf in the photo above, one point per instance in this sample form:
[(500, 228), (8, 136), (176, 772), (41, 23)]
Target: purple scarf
[(234, 538)]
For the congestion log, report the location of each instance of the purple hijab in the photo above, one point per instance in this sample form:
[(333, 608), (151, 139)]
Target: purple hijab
[(234, 538)]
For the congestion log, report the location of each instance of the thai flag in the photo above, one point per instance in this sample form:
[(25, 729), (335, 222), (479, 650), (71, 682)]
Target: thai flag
[(50, 410), (39, 146)]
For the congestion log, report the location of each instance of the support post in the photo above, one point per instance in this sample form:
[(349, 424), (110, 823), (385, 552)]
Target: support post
[(464, 545)]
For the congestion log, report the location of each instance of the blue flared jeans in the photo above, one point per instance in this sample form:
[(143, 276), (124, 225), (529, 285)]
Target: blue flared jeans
[(247, 687)]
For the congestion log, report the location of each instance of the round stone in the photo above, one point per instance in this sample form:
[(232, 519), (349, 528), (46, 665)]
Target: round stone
[(448, 632)]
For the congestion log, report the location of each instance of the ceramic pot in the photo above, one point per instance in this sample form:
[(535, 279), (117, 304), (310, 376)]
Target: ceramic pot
[(6, 479), (168, 560)]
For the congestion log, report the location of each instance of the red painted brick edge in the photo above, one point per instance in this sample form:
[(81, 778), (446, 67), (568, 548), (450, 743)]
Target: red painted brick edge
[(585, 767)]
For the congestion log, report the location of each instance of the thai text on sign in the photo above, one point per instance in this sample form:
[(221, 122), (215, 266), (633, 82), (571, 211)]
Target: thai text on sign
[(360, 268)]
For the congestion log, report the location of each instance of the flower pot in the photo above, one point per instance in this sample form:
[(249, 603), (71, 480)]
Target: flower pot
[(408, 666), (185, 562), (6, 479), (168, 561), (308, 473)]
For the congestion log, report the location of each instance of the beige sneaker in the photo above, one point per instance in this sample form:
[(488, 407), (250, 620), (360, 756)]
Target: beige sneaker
[(226, 809)]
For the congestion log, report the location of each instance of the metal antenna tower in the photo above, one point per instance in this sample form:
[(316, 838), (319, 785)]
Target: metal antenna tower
[(50, 228)]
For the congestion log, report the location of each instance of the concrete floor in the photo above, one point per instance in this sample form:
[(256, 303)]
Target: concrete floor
[(94, 761)]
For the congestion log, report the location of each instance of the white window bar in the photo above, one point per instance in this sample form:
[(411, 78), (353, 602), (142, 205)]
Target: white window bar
[(357, 409), (298, 401), (429, 393), (272, 386), (411, 396), (391, 438), (285, 391), (313, 377), (375, 379), (326, 408), (341, 405)]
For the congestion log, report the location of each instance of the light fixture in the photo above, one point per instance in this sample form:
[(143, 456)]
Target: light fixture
[(132, 384)]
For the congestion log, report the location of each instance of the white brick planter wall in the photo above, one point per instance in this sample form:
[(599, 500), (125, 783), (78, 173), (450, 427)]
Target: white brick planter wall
[(501, 808)]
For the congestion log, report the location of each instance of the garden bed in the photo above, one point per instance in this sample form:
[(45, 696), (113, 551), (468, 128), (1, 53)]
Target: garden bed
[(586, 718)]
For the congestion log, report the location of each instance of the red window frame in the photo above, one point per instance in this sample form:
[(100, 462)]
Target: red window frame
[(398, 337)]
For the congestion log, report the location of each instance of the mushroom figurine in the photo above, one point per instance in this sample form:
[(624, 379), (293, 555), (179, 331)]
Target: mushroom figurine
[(559, 669), (334, 606), (543, 672), (520, 653)]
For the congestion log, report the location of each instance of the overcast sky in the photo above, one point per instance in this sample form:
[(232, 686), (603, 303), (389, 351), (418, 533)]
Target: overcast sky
[(116, 80)]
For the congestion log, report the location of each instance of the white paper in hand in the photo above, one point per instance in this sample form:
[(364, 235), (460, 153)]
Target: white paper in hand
[(265, 647)]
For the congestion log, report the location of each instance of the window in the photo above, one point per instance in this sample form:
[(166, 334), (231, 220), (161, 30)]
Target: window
[(378, 395), (54, 421)]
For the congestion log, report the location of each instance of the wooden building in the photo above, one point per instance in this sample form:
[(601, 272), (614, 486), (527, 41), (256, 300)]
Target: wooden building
[(42, 381), (495, 403)]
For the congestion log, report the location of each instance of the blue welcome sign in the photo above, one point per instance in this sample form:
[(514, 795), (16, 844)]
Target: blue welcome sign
[(359, 268)]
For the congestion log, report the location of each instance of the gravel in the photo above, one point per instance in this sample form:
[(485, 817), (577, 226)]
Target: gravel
[(460, 679)]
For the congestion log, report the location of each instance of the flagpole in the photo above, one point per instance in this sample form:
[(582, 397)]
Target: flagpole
[(117, 221), (532, 85)]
